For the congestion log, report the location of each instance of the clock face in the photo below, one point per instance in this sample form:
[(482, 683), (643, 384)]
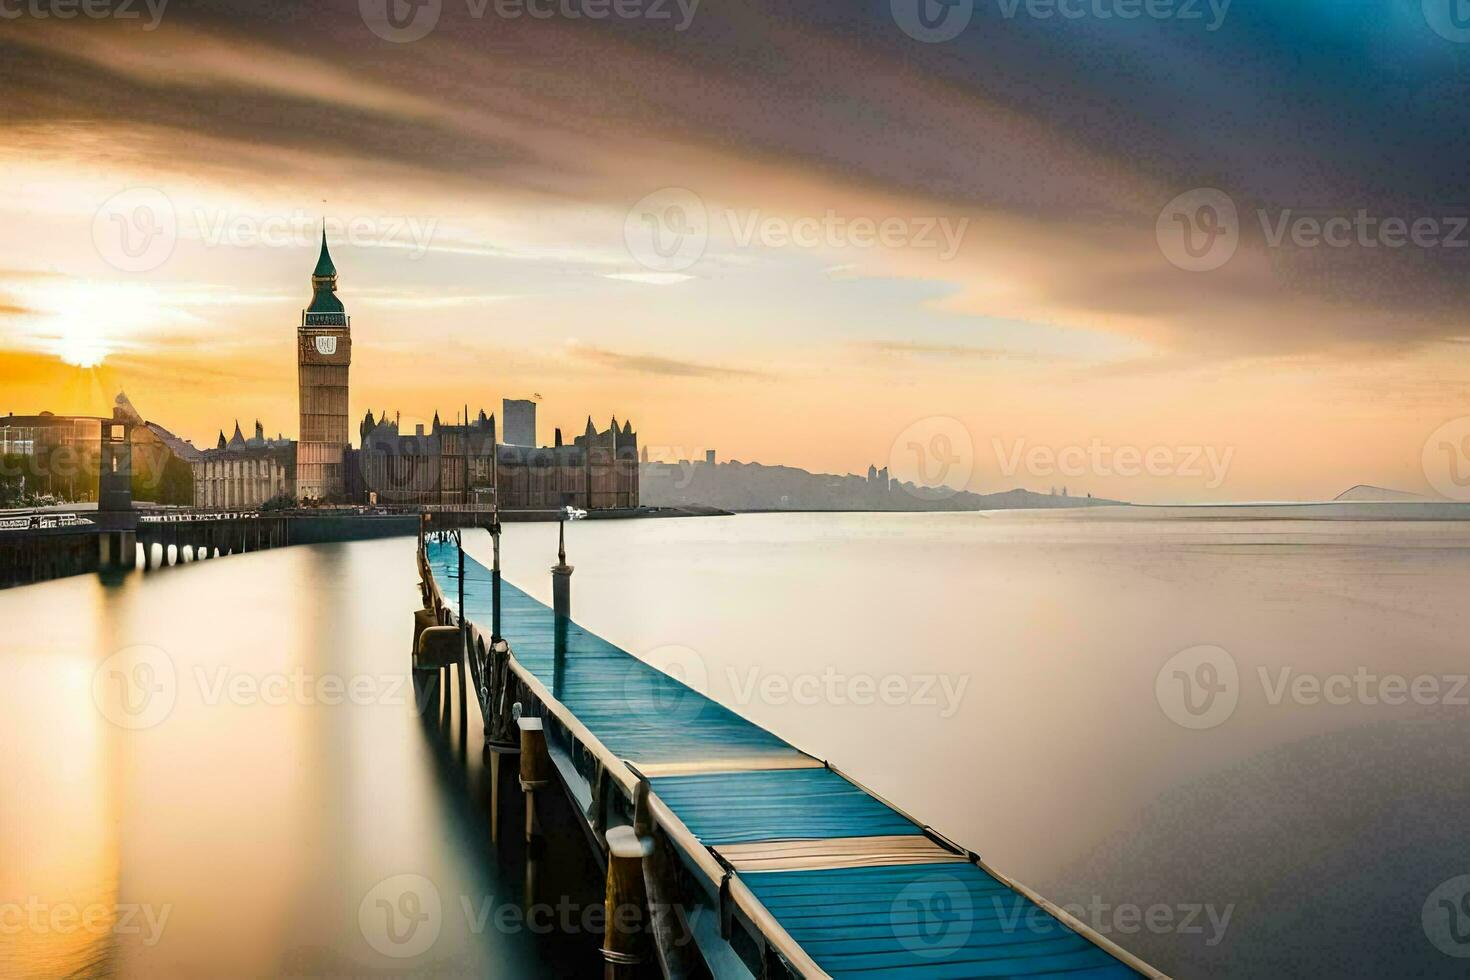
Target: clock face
[(326, 346)]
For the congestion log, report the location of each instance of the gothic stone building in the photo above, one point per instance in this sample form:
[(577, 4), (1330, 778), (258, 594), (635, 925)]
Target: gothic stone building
[(464, 464), (243, 474)]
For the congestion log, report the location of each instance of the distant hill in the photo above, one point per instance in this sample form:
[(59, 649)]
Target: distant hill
[(1364, 493), (741, 486)]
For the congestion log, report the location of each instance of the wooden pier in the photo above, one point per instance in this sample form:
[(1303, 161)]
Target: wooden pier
[(758, 859)]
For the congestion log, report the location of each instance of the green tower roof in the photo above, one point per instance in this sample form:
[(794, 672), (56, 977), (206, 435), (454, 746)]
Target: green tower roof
[(324, 288), (324, 267)]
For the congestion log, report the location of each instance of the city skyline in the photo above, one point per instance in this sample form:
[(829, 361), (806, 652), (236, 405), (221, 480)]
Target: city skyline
[(1029, 291)]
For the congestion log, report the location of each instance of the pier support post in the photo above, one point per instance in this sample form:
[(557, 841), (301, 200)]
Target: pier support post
[(626, 903), (535, 769)]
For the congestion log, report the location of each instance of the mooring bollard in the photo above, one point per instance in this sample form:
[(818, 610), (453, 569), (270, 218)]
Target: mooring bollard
[(438, 650), (535, 768), (425, 684), (627, 901)]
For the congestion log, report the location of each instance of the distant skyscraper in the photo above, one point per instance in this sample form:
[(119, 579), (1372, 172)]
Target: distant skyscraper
[(520, 422), (323, 356)]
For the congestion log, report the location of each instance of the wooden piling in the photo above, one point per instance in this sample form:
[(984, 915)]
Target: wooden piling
[(535, 768), (624, 943)]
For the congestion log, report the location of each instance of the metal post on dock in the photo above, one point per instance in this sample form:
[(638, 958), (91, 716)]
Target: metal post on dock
[(495, 572), (561, 574), (561, 592), (464, 637)]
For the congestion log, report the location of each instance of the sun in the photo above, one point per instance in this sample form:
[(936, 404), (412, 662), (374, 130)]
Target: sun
[(83, 322), (81, 351)]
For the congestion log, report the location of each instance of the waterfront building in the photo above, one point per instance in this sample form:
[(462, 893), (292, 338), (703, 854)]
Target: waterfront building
[(62, 457), (243, 474), (323, 358), (464, 464)]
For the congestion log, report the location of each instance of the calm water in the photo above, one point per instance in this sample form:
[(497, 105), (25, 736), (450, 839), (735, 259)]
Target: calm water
[(1320, 828), (1031, 668), (279, 775)]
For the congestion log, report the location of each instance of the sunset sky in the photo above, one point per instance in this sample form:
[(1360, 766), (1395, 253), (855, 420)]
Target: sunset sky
[(489, 189)]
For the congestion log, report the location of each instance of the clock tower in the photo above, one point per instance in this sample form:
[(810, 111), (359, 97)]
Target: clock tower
[(323, 355)]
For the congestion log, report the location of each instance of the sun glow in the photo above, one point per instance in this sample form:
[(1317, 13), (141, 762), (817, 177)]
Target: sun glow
[(83, 322)]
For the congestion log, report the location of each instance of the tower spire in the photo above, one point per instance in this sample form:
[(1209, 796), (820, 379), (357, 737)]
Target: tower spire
[(325, 309)]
